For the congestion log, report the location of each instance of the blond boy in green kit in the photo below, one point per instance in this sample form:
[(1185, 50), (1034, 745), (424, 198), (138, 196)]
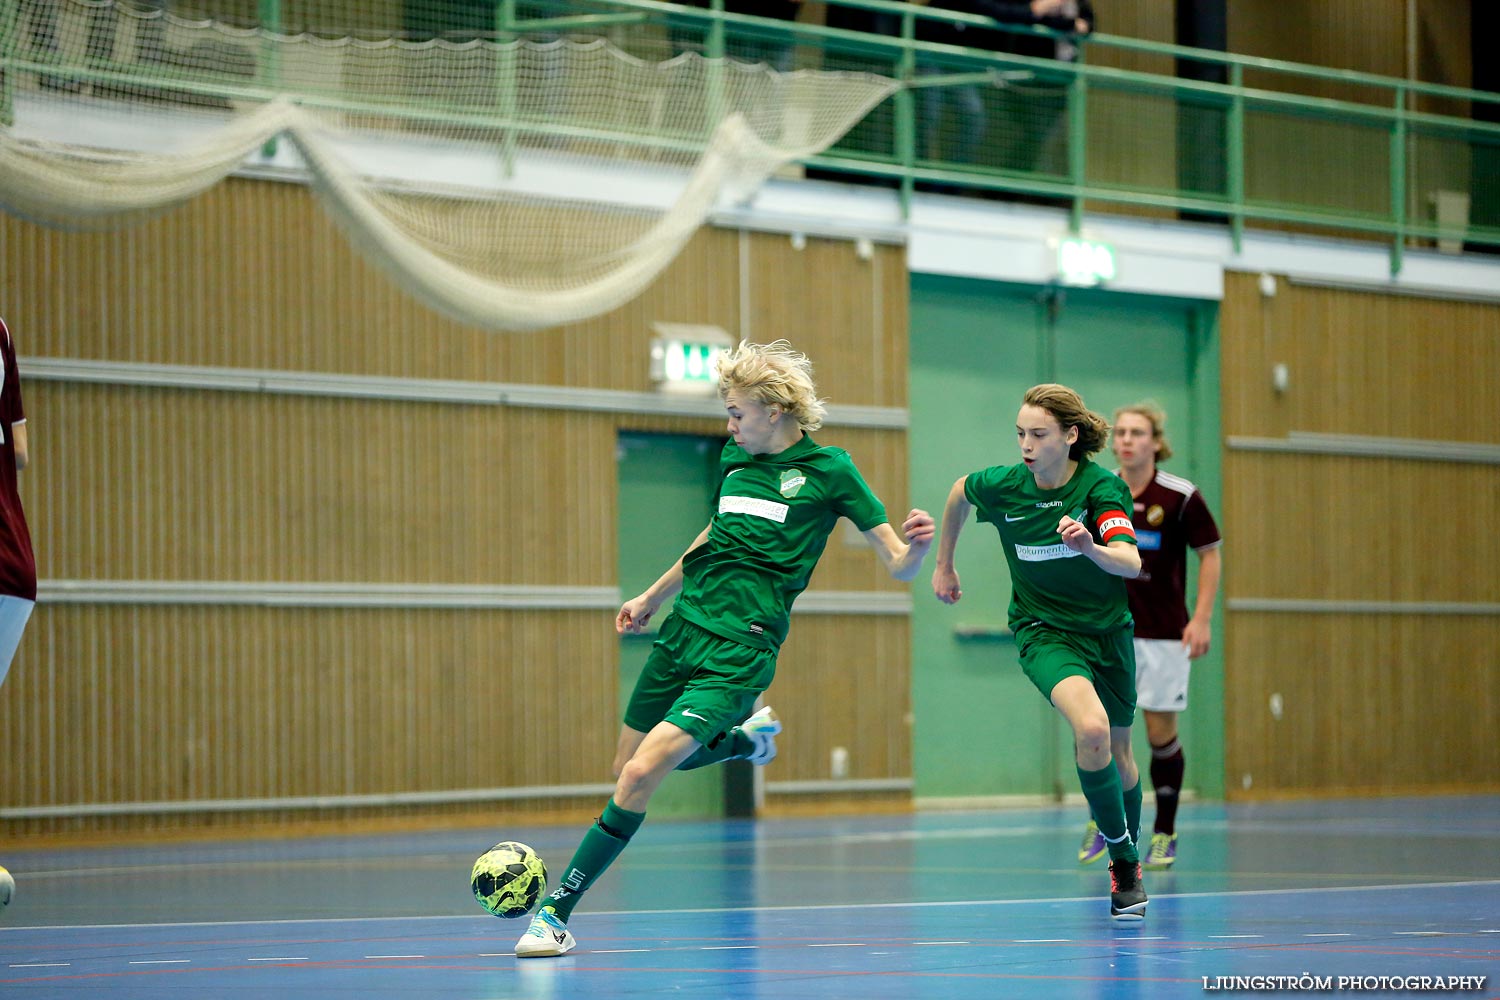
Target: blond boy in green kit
[(780, 495), (1065, 526)]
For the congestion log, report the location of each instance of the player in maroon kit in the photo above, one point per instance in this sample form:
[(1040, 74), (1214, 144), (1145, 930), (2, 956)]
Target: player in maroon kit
[(1170, 517), (17, 565)]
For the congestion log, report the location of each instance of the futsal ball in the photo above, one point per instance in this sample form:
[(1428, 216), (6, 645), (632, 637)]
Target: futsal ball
[(508, 879), (7, 888)]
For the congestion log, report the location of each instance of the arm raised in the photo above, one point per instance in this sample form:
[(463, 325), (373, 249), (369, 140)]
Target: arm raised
[(902, 555)]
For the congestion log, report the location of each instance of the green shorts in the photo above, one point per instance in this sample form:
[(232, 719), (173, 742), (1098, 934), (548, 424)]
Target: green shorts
[(1107, 661), (700, 682)]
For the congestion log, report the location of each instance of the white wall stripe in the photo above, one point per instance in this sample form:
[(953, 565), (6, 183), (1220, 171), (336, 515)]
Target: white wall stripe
[(419, 390), (1309, 606), (412, 595)]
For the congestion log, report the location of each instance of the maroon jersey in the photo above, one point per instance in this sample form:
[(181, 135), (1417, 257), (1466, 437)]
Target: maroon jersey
[(17, 565), (1170, 517)]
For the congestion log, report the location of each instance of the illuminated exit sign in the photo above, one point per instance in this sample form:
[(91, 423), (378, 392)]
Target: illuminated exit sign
[(683, 356), (1083, 262)]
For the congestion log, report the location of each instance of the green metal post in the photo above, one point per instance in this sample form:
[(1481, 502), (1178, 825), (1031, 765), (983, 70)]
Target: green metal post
[(505, 81), (10, 21), (906, 114), (270, 57), (1236, 156), (1078, 133), (714, 50), (1398, 182)]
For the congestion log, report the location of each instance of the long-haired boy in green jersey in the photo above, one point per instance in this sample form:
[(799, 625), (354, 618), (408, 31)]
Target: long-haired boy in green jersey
[(1064, 523), (780, 495)]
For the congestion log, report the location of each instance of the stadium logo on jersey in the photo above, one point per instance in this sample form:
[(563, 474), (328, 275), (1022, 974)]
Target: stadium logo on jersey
[(792, 480), (1155, 515), (1049, 503)]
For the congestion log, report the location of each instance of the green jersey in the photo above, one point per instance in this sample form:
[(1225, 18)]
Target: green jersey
[(1050, 582), (774, 515)]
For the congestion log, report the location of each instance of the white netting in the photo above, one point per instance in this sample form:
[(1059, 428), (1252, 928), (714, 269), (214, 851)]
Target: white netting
[(512, 184)]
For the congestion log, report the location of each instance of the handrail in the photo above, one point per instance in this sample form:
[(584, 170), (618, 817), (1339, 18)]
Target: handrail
[(1244, 123), (1388, 110)]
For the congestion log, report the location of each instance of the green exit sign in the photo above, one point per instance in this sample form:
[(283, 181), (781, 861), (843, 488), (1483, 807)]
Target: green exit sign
[(688, 362), (1083, 262), (683, 356)]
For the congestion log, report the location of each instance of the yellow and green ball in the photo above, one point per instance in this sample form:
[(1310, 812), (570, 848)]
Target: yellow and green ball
[(508, 879)]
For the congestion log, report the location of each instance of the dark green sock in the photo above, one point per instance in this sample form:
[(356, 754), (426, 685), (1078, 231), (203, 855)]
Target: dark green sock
[(1102, 789), (601, 845), (1132, 796), (731, 745)]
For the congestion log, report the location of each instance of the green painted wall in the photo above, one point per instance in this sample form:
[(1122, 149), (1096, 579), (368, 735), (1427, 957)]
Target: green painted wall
[(667, 485), (976, 346)]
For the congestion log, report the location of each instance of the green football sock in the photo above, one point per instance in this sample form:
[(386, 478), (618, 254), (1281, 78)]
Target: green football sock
[(601, 845), (1132, 796), (1102, 789), (732, 745)]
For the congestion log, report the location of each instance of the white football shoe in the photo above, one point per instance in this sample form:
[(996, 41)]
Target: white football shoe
[(547, 937), (762, 728)]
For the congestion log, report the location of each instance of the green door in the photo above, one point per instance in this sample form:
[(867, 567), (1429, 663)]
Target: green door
[(667, 484)]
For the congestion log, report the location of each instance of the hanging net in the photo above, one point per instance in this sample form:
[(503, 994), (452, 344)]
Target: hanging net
[(513, 183)]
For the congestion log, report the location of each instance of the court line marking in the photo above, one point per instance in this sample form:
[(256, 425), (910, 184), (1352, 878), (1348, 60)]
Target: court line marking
[(42, 965), (931, 904), (626, 951)]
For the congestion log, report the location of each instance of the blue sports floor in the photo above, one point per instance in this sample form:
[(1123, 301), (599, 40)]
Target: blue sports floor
[(945, 905)]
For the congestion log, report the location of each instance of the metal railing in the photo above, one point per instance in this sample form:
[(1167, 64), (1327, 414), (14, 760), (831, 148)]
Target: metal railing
[(1244, 141), (1247, 140)]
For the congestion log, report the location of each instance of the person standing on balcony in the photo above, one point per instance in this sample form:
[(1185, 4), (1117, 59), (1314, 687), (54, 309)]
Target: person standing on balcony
[(1027, 111)]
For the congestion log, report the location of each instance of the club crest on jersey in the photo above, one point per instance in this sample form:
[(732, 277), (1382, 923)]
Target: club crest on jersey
[(792, 480)]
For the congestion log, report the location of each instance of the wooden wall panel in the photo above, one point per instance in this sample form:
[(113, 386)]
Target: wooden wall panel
[(267, 488), (844, 680), (1369, 704), (1359, 363), (1373, 702), (1365, 529), (155, 704), (115, 703), (1367, 36)]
